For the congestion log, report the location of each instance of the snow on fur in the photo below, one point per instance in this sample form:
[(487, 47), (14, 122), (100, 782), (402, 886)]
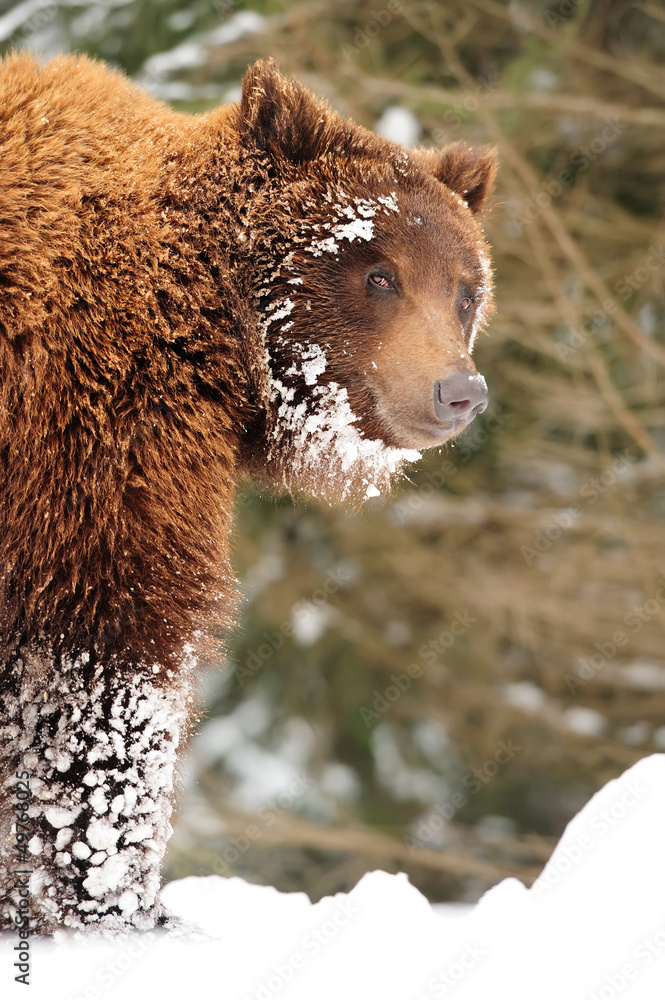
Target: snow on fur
[(328, 451), (101, 760)]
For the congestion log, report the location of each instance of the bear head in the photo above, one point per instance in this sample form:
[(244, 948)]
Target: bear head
[(371, 279)]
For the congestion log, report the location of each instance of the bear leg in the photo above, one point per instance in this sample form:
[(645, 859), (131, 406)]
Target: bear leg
[(97, 753)]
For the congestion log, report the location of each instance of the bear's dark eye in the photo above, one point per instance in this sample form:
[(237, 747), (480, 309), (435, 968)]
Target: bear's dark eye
[(466, 303), (378, 280)]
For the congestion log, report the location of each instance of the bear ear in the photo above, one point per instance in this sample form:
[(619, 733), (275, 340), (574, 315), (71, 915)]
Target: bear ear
[(468, 171), (281, 117)]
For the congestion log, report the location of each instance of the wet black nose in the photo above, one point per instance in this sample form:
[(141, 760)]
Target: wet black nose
[(459, 398)]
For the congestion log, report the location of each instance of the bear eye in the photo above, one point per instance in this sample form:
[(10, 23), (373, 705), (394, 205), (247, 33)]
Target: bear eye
[(378, 280), (466, 303)]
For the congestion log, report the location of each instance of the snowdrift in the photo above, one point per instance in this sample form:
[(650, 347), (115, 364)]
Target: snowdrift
[(591, 927)]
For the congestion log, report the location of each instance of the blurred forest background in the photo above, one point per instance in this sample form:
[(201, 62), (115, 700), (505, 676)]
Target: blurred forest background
[(437, 683)]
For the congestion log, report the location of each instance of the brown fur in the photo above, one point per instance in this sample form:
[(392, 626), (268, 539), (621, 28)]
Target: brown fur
[(142, 256)]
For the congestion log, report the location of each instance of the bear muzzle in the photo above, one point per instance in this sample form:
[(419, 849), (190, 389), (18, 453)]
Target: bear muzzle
[(459, 398)]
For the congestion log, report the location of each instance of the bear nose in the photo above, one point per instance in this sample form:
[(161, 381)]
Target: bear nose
[(460, 397)]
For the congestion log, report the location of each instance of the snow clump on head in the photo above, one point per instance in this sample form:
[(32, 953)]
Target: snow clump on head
[(309, 413)]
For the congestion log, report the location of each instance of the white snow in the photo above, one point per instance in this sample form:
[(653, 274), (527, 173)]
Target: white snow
[(309, 621), (35, 845), (324, 436), (277, 310), (483, 298), (399, 125), (361, 228), (324, 441), (357, 228), (584, 721), (193, 51), (107, 877), (94, 815), (353, 221), (525, 696), (592, 927), (98, 800), (63, 838), (58, 816), (81, 850), (102, 834), (643, 675), (390, 201), (313, 363)]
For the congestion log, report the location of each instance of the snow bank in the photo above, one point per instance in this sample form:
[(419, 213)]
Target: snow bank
[(592, 927)]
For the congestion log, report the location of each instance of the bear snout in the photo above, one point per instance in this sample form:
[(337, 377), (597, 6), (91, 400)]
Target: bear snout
[(459, 398)]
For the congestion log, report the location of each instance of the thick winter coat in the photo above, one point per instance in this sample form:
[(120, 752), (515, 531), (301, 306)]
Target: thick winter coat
[(266, 288)]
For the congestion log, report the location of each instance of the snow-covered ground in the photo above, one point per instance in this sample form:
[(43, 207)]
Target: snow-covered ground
[(592, 927)]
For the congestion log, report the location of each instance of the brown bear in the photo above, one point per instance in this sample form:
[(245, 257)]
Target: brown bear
[(266, 289)]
